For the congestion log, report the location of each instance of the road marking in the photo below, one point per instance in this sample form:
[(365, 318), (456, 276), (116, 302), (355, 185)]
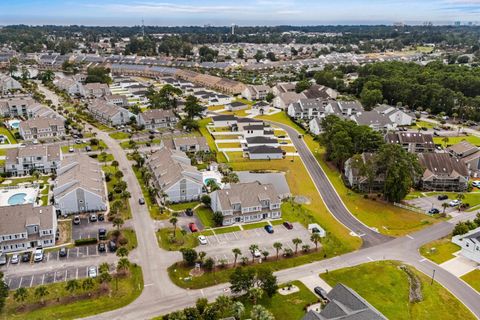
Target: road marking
[(410, 237), (54, 276), (76, 274), (361, 234), (203, 294), (369, 258), (422, 260), (66, 274), (235, 234), (9, 281), (43, 278), (31, 281), (148, 285), (20, 284)]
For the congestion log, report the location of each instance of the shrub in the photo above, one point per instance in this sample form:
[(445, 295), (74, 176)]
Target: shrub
[(85, 241)]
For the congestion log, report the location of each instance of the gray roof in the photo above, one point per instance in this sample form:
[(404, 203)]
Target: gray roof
[(51, 151), (190, 141), (247, 194), (224, 117), (462, 148), (264, 149), (14, 219), (369, 118), (156, 114), (442, 164), (410, 137), (261, 139)]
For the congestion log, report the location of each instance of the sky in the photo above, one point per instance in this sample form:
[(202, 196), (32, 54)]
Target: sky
[(243, 12)]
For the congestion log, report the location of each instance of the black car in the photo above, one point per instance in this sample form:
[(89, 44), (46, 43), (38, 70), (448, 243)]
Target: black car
[(433, 211), (26, 256), (63, 252), (288, 225), (189, 212), (102, 234), (141, 201), (112, 246), (321, 292), (101, 247), (442, 197)]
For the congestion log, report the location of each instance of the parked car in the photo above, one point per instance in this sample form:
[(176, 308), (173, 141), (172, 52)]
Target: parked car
[(63, 252), (268, 228), (102, 234), (433, 211), (101, 217), (3, 259), (112, 246), (70, 149), (257, 254), (476, 184), (92, 272), (88, 148), (288, 225), (321, 292), (141, 201), (189, 212), (101, 247), (442, 197), (38, 255), (454, 203), (76, 220), (14, 259), (202, 240), (26, 256), (93, 217), (192, 227)]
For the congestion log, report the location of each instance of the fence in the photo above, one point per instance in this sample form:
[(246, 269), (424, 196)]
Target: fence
[(417, 210)]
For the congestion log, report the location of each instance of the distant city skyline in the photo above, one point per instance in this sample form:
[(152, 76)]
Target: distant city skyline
[(226, 12)]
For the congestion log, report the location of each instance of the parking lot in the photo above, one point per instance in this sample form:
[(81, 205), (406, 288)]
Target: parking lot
[(220, 246), (87, 229), (427, 203), (62, 274)]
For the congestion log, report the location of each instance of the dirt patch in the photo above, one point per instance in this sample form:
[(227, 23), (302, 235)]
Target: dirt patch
[(415, 294), (65, 231), (302, 200)]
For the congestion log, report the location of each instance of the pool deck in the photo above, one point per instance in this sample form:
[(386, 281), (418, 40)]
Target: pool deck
[(7, 193)]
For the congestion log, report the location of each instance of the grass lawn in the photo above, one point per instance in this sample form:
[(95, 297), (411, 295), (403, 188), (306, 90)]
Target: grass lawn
[(440, 250), (167, 242), (215, 108), (424, 49), (7, 133), (17, 181), (225, 137), (120, 135), (182, 206), (226, 229), (205, 215), (423, 124), (61, 304), (257, 225), (286, 307), (132, 238), (473, 279), (235, 156), (288, 148), (386, 287), (229, 145), (453, 140), (3, 152), (65, 227), (210, 141), (153, 207)]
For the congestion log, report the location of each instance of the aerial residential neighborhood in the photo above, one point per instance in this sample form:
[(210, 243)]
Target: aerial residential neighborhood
[(289, 160)]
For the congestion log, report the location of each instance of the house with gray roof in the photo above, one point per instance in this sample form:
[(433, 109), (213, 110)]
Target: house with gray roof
[(25, 227), (412, 141), (108, 113), (96, 90), (42, 128), (79, 186), (8, 84), (265, 152), (469, 154), (157, 118), (307, 109), (396, 115), (246, 202), (173, 174), (256, 92), (191, 144), (443, 173), (375, 120), (69, 85), (24, 160), (345, 304), (236, 106), (470, 244)]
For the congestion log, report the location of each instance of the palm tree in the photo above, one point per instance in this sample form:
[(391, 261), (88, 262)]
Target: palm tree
[(444, 206), (87, 284), (104, 267), (255, 294), (104, 277), (297, 242), (116, 206), (238, 310), (123, 265), (201, 256), (41, 292), (122, 252), (236, 252), (445, 141), (72, 285), (20, 294), (118, 222), (278, 246), (252, 249), (115, 164), (460, 197), (173, 221), (315, 238), (305, 248), (265, 254)]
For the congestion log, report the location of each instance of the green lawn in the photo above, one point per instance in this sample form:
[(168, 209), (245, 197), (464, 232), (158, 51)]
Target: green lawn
[(473, 279), (182, 206), (168, 242), (386, 287), (205, 216), (251, 226), (229, 145), (453, 140), (7, 133), (153, 207), (61, 304), (440, 250), (210, 141), (423, 124), (226, 229), (120, 135), (225, 137), (132, 238)]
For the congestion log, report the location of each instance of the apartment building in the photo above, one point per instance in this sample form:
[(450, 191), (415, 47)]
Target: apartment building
[(414, 142), (191, 144), (96, 90), (256, 92), (22, 161), (470, 244), (8, 84), (443, 173), (108, 113), (157, 118), (246, 202), (42, 128)]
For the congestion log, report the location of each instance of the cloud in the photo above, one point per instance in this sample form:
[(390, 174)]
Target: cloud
[(166, 7)]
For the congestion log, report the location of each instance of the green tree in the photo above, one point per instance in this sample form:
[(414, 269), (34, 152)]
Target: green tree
[(122, 252), (260, 313), (242, 279), (297, 242), (189, 256), (123, 265), (41, 292), (267, 281), (236, 252), (20, 295), (72, 285), (259, 55), (255, 294), (315, 238), (460, 228), (193, 108), (118, 222), (87, 284), (238, 310), (174, 221), (278, 246), (302, 86), (253, 248), (217, 218)]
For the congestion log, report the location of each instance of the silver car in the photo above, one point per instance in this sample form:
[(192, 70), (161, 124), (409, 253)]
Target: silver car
[(15, 259), (92, 272)]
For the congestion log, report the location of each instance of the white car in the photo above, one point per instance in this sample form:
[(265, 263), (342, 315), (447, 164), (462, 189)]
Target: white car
[(202, 239), (476, 184), (257, 254), (15, 259), (92, 272), (38, 255), (454, 203), (70, 149)]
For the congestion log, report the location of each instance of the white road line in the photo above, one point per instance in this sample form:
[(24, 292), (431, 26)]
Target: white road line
[(235, 234), (203, 294), (76, 274), (88, 251), (9, 281), (148, 285), (68, 253), (43, 278), (369, 258), (20, 284), (48, 256), (78, 249), (66, 274), (410, 237), (54, 277), (422, 260), (31, 281)]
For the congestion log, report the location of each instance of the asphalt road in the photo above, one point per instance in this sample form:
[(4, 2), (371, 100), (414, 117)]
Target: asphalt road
[(330, 197)]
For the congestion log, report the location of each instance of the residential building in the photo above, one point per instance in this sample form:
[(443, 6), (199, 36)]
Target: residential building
[(71, 86), (226, 120), (108, 113), (25, 227), (315, 126), (24, 160), (470, 244), (411, 141), (191, 144), (375, 120), (79, 186), (307, 109), (42, 128), (283, 87), (255, 130), (256, 92), (265, 152), (157, 118), (261, 140), (261, 108), (443, 173), (246, 202), (119, 100), (173, 175), (96, 90), (17, 106), (283, 100), (320, 92), (355, 180), (8, 84), (345, 304), (469, 154), (396, 115), (236, 106)]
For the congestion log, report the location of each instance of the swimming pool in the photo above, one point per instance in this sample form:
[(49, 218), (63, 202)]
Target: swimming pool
[(18, 198), (14, 124)]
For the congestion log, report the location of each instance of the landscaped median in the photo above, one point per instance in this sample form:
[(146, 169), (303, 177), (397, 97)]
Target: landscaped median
[(390, 289), (58, 302), (440, 250)]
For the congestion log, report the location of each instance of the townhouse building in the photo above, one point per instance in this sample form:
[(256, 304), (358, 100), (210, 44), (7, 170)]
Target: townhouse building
[(42, 128), (157, 118), (24, 160)]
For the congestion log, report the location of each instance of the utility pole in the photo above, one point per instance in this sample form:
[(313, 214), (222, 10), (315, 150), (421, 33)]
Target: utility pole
[(433, 277)]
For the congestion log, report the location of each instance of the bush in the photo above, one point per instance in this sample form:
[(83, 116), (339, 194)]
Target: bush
[(85, 241), (206, 200)]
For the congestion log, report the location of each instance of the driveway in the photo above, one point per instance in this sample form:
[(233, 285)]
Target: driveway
[(459, 265)]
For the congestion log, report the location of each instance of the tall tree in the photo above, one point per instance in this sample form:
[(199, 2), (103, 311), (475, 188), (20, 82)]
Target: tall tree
[(193, 108)]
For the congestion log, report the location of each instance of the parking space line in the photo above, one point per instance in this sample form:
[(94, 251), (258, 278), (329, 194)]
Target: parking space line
[(76, 274), (68, 253), (54, 276), (48, 256), (66, 274), (58, 255), (88, 251), (43, 278), (9, 281), (31, 281), (77, 251), (235, 234)]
